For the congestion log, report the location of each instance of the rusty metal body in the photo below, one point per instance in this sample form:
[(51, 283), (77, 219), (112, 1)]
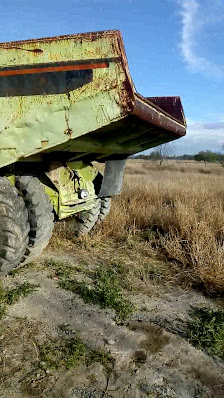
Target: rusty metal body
[(72, 98)]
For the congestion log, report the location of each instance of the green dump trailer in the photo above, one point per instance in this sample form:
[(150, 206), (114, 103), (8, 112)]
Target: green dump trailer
[(65, 102)]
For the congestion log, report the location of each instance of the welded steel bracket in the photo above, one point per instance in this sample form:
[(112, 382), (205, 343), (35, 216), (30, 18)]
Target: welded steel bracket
[(113, 178)]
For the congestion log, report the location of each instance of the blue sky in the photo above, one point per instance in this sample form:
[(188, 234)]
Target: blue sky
[(174, 47)]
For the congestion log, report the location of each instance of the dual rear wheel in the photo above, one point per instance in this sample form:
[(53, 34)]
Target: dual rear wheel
[(87, 220), (27, 221)]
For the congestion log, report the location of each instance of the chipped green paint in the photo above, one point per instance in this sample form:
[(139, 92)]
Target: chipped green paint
[(12, 179), (31, 124), (69, 180), (54, 198), (87, 172)]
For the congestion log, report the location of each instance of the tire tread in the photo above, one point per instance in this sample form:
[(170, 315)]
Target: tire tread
[(14, 234), (40, 215)]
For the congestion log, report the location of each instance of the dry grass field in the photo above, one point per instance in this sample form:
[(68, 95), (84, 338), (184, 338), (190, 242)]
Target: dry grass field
[(182, 206), (173, 212)]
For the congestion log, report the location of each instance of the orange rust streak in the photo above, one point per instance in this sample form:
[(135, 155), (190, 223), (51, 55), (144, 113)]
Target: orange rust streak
[(61, 68)]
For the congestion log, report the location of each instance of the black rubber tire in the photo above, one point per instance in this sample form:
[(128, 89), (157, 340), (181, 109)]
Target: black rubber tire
[(14, 227), (104, 209), (83, 223), (40, 215)]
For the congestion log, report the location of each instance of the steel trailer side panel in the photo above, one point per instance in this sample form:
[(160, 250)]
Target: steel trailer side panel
[(42, 108)]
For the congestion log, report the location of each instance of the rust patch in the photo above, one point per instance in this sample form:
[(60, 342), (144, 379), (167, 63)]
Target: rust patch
[(126, 91), (91, 36), (35, 50), (127, 97), (150, 113), (171, 105), (68, 132)]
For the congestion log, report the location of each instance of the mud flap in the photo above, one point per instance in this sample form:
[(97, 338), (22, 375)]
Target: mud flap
[(113, 178)]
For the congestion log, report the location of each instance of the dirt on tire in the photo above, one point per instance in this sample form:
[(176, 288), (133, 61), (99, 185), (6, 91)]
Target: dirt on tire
[(40, 215), (14, 227)]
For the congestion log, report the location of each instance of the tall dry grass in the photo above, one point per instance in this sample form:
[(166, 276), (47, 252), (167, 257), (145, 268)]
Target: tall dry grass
[(180, 214)]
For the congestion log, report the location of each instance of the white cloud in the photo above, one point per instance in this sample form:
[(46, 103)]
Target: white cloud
[(214, 125), (192, 22), (201, 136)]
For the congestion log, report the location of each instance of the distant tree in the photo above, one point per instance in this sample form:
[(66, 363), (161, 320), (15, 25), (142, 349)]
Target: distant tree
[(208, 157), (154, 155), (162, 152)]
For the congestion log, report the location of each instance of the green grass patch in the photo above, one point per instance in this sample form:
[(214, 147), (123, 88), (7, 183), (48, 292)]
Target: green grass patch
[(20, 270), (105, 287), (156, 272), (2, 311), (103, 357), (206, 331), (105, 291), (11, 296), (61, 269), (68, 353)]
